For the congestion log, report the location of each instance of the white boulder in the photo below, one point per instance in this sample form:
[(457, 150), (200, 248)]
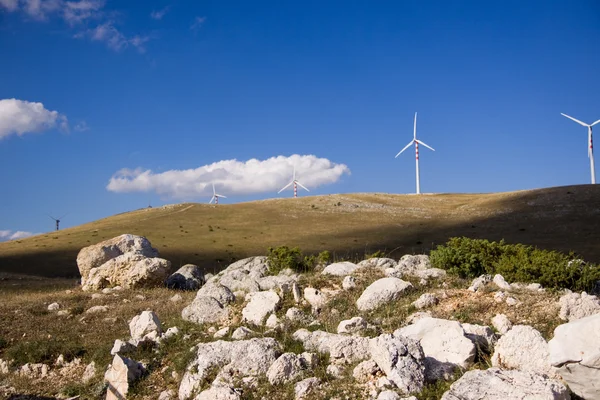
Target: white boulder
[(480, 282), (261, 304), (341, 348), (425, 300), (501, 323), (205, 310), (349, 283), (501, 282), (401, 359), (306, 388), (352, 326), (522, 348), (381, 263), (188, 277), (342, 268), (382, 291), (119, 375), (144, 324), (574, 306), (286, 368)]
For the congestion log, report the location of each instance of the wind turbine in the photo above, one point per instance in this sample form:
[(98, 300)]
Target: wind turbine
[(57, 220), (296, 183), (216, 196), (590, 142), (417, 142)]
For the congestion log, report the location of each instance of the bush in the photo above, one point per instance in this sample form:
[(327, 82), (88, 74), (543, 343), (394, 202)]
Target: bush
[(470, 258), (283, 257)]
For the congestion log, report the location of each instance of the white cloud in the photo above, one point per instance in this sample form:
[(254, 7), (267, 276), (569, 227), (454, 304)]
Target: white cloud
[(198, 22), (231, 177), (160, 13), (20, 117), (10, 235), (80, 12)]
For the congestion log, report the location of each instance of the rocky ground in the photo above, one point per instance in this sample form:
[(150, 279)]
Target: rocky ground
[(376, 329)]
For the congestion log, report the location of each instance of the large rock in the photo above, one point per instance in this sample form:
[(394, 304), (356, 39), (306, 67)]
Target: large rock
[(96, 255), (425, 300), (408, 264), (342, 268), (575, 306), (353, 326), (147, 323), (381, 263), (287, 368), (282, 282), (315, 297), (243, 274), (444, 344), (219, 393), (218, 291), (205, 310), (522, 348), (130, 270), (501, 323), (575, 351), (382, 291), (483, 336), (119, 375), (306, 388), (501, 282), (498, 384), (341, 348), (480, 282), (401, 359), (261, 304), (239, 359), (188, 277)]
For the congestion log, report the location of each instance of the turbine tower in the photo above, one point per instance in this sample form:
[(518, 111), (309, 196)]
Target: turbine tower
[(590, 144), (416, 142), (296, 183), (216, 196), (57, 220)]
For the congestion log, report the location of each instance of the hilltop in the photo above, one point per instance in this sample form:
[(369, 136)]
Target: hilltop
[(348, 225)]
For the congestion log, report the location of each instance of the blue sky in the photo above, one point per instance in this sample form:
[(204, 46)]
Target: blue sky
[(155, 87)]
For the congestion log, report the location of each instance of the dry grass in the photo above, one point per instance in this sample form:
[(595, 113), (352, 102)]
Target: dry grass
[(348, 225)]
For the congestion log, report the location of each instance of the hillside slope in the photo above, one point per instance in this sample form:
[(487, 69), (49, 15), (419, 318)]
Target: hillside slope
[(348, 225)]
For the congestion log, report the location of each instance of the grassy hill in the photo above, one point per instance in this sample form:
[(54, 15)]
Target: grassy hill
[(348, 225)]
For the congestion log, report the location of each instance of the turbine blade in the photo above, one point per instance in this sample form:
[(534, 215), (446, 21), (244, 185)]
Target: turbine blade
[(407, 146), (286, 186), (214, 192), (429, 147), (211, 200), (415, 130), (595, 123), (220, 195), (576, 120), (302, 186)]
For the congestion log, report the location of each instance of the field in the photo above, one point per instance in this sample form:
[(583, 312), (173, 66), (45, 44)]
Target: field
[(347, 225)]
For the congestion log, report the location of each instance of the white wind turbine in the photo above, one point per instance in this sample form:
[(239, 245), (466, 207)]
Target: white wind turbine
[(416, 142), (590, 143), (296, 183), (216, 196)]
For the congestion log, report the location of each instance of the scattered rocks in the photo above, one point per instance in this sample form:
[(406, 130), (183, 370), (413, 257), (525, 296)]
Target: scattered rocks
[(575, 353), (522, 348), (425, 300), (482, 336), (352, 326), (501, 323), (401, 359), (119, 375), (498, 384), (188, 277), (382, 291), (574, 306), (261, 304), (511, 301)]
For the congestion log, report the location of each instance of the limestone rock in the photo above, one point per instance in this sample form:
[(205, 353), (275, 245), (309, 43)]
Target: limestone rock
[(188, 277), (574, 306), (349, 283), (498, 384), (53, 307), (382, 291), (479, 283), (219, 393), (501, 323), (425, 300), (341, 348), (522, 348), (388, 395), (144, 324), (119, 375), (335, 370), (242, 333), (96, 255), (221, 333), (89, 372), (176, 298), (243, 274), (296, 292), (401, 359), (273, 322), (342, 268), (365, 371), (575, 352), (282, 282), (205, 310), (501, 283), (241, 358), (297, 315), (121, 347), (482, 336), (352, 326), (261, 304), (381, 263), (408, 264), (217, 291), (315, 297), (96, 310), (130, 270), (286, 368), (444, 344), (306, 387)]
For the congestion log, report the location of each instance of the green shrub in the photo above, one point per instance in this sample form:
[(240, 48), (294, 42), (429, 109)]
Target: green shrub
[(469, 258), (283, 257)]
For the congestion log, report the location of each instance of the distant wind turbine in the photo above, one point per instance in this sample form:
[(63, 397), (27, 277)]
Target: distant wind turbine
[(57, 220), (216, 196), (296, 183), (416, 142), (590, 142)]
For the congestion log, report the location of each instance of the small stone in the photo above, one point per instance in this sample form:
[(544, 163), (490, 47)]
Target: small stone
[(89, 373), (501, 283), (140, 297), (221, 333), (176, 298), (425, 300), (501, 323), (96, 310), (172, 331), (511, 301), (242, 333), (53, 307), (335, 370), (296, 292), (349, 283), (62, 313), (499, 297), (304, 388), (272, 322)]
